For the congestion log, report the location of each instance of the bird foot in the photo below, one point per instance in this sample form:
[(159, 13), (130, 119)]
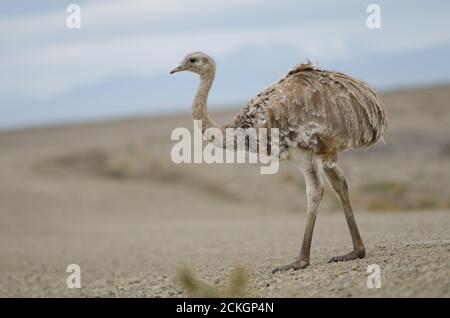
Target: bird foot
[(348, 257), (298, 264)]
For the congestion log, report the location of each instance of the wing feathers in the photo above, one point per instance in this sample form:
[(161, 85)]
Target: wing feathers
[(311, 105)]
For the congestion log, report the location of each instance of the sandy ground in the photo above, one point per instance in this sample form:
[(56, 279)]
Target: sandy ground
[(107, 197)]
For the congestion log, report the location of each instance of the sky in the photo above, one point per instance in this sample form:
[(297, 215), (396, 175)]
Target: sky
[(117, 63)]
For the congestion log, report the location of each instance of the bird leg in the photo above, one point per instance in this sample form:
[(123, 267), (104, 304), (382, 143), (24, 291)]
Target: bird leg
[(337, 181), (314, 192)]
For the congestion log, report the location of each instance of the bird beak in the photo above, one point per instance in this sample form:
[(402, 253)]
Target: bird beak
[(176, 69)]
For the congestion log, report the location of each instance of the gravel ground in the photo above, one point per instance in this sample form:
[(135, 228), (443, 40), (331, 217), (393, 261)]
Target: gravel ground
[(106, 196), (120, 257)]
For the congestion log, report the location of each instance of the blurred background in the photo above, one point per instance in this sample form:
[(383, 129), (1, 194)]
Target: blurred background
[(117, 63), (86, 175)]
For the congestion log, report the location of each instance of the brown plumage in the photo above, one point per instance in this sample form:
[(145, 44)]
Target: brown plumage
[(318, 113), (316, 109)]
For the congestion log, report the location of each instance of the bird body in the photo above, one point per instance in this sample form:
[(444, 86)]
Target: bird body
[(317, 109), (318, 113)]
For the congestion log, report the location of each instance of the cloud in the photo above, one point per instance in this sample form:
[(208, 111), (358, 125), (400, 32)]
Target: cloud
[(42, 58), (48, 69), (104, 16)]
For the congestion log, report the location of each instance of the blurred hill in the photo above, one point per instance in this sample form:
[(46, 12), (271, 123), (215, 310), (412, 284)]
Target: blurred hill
[(107, 196)]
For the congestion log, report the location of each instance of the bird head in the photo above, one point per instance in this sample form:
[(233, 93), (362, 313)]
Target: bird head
[(197, 62)]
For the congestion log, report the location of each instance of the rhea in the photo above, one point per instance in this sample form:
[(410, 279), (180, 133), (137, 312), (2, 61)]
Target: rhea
[(318, 113)]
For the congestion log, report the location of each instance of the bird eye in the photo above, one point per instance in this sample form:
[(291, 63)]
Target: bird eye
[(192, 60)]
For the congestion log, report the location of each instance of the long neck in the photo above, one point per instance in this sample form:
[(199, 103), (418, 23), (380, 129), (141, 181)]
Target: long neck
[(199, 106), (200, 112)]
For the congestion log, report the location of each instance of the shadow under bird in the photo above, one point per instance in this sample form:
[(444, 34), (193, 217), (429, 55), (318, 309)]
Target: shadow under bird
[(319, 113)]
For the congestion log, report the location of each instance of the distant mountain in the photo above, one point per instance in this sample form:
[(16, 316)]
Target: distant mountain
[(239, 77)]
